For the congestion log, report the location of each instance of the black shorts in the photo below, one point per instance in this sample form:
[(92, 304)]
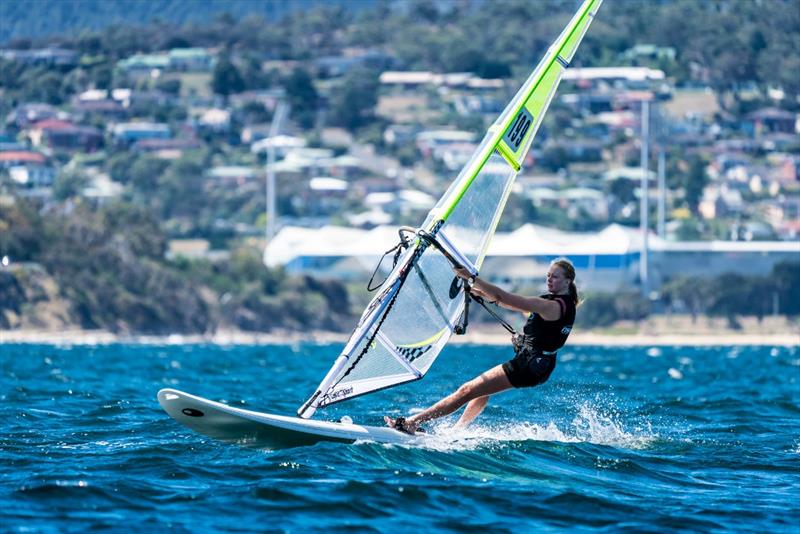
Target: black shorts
[(529, 368)]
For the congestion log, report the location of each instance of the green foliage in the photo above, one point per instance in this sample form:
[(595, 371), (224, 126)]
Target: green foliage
[(69, 184), (623, 190), (353, 105), (604, 309), (302, 96), (695, 182), (785, 278), (109, 265), (731, 295), (181, 188), (690, 230), (172, 87), (22, 231), (226, 79)]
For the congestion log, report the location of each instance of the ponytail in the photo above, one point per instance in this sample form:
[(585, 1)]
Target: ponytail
[(573, 292), (569, 271)]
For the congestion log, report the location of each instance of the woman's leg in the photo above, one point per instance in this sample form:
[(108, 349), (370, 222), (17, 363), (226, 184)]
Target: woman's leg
[(492, 381), (473, 410)]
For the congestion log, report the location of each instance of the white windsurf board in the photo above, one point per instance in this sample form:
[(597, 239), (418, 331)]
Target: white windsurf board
[(268, 431)]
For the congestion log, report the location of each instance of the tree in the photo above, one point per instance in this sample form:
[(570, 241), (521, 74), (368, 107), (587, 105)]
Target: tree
[(353, 106), (786, 278), (69, 184), (303, 97), (226, 79), (695, 182), (730, 295)]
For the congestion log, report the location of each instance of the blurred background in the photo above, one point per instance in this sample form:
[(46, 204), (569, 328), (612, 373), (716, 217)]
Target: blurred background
[(186, 167)]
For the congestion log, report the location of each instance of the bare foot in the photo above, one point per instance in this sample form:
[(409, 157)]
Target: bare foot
[(400, 424)]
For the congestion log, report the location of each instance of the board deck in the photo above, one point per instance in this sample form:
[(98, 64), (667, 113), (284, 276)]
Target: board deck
[(268, 431)]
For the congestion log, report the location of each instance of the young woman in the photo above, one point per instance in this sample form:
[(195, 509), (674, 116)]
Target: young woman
[(550, 319)]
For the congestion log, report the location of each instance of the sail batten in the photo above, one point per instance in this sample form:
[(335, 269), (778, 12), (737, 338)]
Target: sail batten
[(407, 324)]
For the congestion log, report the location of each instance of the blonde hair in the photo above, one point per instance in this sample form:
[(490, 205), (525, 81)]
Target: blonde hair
[(569, 271)]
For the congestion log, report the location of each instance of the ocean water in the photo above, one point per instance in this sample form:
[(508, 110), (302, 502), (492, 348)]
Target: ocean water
[(637, 439)]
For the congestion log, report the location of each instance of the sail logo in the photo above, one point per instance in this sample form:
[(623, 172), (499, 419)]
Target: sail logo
[(330, 397), (516, 133)]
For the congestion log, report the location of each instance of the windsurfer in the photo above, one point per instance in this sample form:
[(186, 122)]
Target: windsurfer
[(550, 319)]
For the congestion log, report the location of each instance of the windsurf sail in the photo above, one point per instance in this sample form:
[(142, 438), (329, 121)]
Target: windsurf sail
[(418, 306)]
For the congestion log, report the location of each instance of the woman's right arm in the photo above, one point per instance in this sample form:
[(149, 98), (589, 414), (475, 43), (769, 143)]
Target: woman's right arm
[(550, 310)]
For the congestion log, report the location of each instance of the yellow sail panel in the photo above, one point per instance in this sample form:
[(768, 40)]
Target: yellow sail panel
[(531, 103), (573, 40), (518, 136)]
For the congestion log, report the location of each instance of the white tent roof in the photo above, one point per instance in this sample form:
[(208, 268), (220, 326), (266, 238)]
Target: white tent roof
[(527, 241)]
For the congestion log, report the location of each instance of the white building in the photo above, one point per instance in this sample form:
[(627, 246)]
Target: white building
[(605, 260)]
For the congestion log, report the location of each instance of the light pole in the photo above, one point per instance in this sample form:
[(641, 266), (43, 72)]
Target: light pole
[(281, 111), (643, 206)]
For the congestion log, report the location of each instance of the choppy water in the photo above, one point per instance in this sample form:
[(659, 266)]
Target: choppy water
[(620, 439)]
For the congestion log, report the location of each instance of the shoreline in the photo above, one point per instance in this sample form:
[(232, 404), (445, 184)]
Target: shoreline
[(476, 337)]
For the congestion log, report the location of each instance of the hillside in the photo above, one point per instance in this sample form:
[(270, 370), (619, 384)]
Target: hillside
[(25, 19)]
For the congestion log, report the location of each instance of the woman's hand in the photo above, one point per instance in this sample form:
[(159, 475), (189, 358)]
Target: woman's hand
[(462, 273)]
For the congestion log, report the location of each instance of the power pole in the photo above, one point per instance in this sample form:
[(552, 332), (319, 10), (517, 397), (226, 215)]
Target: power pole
[(662, 193)]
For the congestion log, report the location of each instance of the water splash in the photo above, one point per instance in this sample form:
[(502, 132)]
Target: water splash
[(591, 424)]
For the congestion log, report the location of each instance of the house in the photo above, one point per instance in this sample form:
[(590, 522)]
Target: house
[(454, 155), (74, 139), (403, 201), (400, 134), (771, 120), (629, 173), (429, 141), (33, 175), (255, 132), (215, 119), (649, 52), (15, 158), (165, 148), (142, 102), (102, 188), (335, 66), (42, 56), (192, 249), (618, 77), (325, 195), (589, 103), (720, 200), (281, 143), (28, 169), (143, 65), (64, 136), (127, 133), (469, 105), (346, 166), (190, 60), (26, 114), (407, 80), (369, 219), (107, 108), (233, 175)]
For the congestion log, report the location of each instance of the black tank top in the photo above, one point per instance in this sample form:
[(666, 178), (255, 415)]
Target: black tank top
[(551, 335)]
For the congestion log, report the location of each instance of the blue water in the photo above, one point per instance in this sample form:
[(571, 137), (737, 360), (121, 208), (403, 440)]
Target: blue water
[(620, 439)]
